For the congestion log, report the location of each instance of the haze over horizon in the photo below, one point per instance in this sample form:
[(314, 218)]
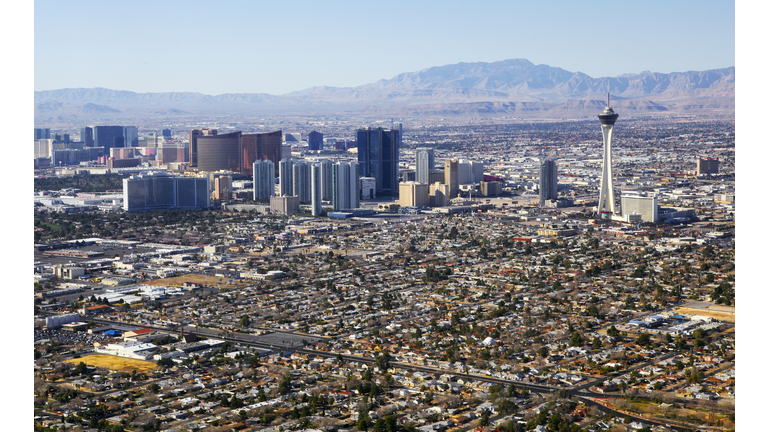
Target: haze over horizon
[(198, 47)]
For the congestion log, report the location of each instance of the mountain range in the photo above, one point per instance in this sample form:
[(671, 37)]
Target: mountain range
[(515, 87)]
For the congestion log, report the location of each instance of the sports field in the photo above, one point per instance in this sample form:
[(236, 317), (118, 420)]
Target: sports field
[(113, 363)]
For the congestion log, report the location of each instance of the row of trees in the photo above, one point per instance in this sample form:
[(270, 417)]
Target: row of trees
[(84, 182)]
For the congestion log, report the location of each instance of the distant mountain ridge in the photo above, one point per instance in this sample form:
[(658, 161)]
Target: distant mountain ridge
[(461, 85)]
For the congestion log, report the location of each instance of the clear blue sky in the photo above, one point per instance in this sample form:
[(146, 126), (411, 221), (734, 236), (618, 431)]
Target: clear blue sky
[(277, 47)]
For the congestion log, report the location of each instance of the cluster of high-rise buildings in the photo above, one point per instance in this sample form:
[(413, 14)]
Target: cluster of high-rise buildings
[(427, 186), (340, 181), (113, 146)]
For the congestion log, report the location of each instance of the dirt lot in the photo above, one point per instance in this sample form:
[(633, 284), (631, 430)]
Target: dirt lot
[(717, 314), (201, 279), (114, 363)]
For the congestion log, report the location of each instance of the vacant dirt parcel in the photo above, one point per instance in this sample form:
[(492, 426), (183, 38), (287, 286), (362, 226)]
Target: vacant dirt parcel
[(113, 363)]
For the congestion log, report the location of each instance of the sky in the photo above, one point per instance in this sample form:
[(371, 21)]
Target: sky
[(279, 47)]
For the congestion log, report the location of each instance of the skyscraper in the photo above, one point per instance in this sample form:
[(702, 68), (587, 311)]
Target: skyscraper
[(398, 126), (302, 181), (263, 180), (425, 161), (452, 176), (317, 193), (42, 133), (606, 204), (378, 153), (43, 148), (193, 135), (707, 165), (261, 146), (414, 194), (222, 188), (326, 180), (108, 137), (477, 171), (465, 172), (219, 152), (315, 140), (346, 189), (647, 206), (439, 195), (131, 136), (547, 181), (286, 174), (86, 136)]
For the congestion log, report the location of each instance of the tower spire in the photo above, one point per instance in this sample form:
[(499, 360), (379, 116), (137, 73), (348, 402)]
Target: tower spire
[(606, 203)]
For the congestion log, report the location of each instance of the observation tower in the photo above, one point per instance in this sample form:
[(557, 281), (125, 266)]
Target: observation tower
[(607, 205)]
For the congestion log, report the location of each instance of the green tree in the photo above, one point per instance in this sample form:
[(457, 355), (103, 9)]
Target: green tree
[(285, 384), (596, 343), (613, 332), (543, 352), (382, 362), (576, 339), (236, 402), (363, 421), (643, 339), (245, 321), (507, 407)]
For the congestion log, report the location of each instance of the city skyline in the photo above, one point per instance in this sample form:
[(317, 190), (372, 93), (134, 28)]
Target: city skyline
[(140, 60)]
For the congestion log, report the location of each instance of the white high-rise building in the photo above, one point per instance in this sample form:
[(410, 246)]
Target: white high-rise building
[(346, 189), (317, 193), (263, 180), (607, 205), (43, 148), (326, 180), (640, 204), (286, 174), (302, 181), (425, 161), (465, 172)]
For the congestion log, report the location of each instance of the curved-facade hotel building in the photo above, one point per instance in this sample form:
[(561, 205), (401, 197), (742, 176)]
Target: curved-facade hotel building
[(220, 152)]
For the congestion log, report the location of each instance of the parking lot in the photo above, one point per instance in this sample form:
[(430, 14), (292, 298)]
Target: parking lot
[(69, 337)]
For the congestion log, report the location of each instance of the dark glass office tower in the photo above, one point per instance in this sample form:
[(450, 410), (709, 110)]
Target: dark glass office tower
[(108, 137), (378, 154), (547, 181), (86, 136), (42, 133), (315, 140)]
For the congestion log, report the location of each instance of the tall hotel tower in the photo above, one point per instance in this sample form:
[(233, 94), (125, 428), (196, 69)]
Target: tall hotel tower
[(607, 205)]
